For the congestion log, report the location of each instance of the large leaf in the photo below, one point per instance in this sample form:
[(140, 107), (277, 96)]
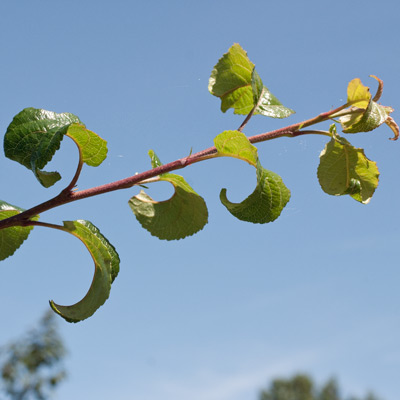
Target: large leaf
[(12, 238), (106, 261), (344, 169), (367, 114), (33, 137), (184, 214), (235, 81), (93, 148), (270, 196)]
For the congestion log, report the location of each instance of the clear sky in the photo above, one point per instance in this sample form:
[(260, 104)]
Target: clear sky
[(217, 315)]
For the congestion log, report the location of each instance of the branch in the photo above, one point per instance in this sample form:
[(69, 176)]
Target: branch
[(68, 196)]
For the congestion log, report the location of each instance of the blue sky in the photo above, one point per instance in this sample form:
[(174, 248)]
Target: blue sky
[(217, 315)]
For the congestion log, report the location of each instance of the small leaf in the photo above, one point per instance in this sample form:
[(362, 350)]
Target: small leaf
[(92, 146), (12, 238), (366, 115), (235, 81), (236, 144), (270, 196), (184, 214), (344, 169), (106, 262), (356, 91)]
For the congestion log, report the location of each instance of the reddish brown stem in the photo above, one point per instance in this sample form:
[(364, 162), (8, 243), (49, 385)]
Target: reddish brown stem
[(68, 196)]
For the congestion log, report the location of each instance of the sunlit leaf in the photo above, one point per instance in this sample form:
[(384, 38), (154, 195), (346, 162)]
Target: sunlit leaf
[(12, 238), (184, 214), (366, 114), (33, 137), (106, 261), (235, 81), (92, 146), (344, 169), (270, 196), (357, 92)]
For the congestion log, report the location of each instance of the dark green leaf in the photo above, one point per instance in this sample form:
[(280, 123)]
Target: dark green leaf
[(33, 137), (270, 196), (12, 238), (106, 262), (184, 214), (344, 169)]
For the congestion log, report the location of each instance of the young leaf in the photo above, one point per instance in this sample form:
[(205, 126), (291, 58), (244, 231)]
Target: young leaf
[(106, 261), (344, 169), (12, 238), (93, 148), (33, 137), (238, 85), (184, 214), (270, 196), (370, 114), (356, 91)]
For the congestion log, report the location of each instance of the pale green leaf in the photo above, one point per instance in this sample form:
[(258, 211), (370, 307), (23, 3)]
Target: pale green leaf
[(106, 262), (184, 214), (33, 137), (236, 144), (12, 238), (270, 196), (357, 92), (92, 146), (344, 169), (235, 81)]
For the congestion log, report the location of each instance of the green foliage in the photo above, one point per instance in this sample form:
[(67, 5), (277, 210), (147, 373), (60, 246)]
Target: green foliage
[(343, 169), (34, 135), (302, 387), (106, 261), (12, 238), (270, 196), (235, 81), (184, 214), (32, 367)]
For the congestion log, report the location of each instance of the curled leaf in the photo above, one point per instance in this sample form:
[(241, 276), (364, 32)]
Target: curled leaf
[(344, 169), (12, 238), (106, 262), (270, 196), (184, 214)]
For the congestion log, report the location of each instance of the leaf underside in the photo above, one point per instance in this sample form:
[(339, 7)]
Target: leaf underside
[(184, 214)]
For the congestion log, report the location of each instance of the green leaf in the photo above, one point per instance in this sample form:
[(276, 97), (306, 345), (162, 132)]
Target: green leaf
[(106, 262), (356, 91), (33, 137), (235, 81), (270, 196), (344, 169), (92, 146), (236, 144), (366, 114), (266, 103), (12, 238), (184, 214)]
